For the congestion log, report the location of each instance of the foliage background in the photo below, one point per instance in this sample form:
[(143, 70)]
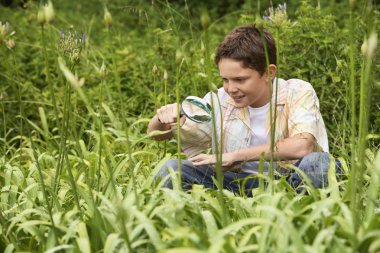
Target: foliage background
[(106, 199), (312, 49)]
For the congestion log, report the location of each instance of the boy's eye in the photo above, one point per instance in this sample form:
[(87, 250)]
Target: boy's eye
[(239, 80)]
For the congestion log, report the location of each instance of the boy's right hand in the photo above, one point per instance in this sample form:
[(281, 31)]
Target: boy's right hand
[(167, 114)]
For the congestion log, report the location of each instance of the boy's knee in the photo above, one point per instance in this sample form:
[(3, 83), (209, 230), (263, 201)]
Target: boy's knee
[(171, 163), (314, 160), (164, 172), (315, 165)]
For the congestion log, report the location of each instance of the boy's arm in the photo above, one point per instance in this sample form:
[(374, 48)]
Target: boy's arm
[(195, 137), (291, 148)]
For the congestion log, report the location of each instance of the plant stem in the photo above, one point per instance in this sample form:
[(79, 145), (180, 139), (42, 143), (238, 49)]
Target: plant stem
[(44, 192), (218, 149), (114, 63), (48, 81), (124, 231), (73, 183), (20, 104), (100, 135), (65, 132), (353, 175), (365, 98), (272, 117), (165, 102), (132, 171), (179, 147)]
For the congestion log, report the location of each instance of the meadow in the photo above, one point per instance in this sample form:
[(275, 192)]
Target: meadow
[(79, 81)]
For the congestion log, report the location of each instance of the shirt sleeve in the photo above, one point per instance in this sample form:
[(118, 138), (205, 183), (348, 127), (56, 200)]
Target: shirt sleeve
[(305, 116)]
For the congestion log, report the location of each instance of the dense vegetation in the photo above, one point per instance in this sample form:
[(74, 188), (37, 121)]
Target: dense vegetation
[(78, 88)]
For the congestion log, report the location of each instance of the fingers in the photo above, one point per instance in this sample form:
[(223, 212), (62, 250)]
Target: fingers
[(197, 158), (167, 114), (202, 159)]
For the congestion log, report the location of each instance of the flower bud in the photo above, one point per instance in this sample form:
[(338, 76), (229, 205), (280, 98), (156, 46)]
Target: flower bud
[(103, 71), (107, 18), (352, 4), (11, 44), (205, 20), (203, 49), (49, 12), (154, 69), (2, 32), (165, 75), (41, 16), (369, 46)]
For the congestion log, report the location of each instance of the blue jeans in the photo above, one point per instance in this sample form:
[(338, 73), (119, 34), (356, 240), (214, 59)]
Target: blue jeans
[(314, 165)]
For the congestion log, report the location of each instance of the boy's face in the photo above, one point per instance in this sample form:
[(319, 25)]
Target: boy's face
[(244, 85)]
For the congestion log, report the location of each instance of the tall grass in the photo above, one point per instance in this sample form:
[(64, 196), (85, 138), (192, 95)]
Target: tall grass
[(359, 129), (73, 178)]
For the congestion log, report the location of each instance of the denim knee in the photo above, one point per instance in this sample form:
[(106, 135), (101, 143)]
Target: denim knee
[(315, 165), (314, 160), (163, 173)]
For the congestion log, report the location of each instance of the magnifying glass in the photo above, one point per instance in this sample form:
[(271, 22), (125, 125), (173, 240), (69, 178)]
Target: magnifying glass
[(196, 109)]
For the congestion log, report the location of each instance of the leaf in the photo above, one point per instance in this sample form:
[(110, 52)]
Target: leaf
[(149, 228), (158, 133), (333, 183), (143, 120), (149, 181), (112, 242), (32, 223), (42, 132), (23, 217), (44, 123), (211, 226), (180, 250), (73, 79), (82, 240), (374, 246), (59, 248), (115, 122), (10, 248)]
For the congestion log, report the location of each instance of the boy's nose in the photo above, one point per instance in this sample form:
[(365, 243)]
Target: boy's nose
[(231, 88)]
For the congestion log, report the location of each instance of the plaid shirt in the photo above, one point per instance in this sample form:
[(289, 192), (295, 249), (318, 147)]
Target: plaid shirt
[(296, 110)]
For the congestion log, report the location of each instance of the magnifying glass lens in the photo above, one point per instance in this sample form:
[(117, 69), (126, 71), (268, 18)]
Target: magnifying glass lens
[(196, 109)]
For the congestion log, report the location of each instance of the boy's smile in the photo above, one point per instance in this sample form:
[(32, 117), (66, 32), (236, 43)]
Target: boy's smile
[(245, 85)]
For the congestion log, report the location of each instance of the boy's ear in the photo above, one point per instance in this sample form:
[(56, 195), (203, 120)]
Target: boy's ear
[(272, 71)]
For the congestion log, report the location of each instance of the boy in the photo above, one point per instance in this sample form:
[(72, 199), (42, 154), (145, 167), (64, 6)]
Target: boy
[(246, 100)]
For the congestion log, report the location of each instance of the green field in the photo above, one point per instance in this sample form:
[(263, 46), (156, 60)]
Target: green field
[(77, 90)]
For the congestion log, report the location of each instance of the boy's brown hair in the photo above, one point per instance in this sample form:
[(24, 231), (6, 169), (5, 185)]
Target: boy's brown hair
[(244, 44)]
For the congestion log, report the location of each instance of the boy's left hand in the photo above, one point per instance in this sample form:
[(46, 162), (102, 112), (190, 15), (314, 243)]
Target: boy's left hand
[(228, 160)]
